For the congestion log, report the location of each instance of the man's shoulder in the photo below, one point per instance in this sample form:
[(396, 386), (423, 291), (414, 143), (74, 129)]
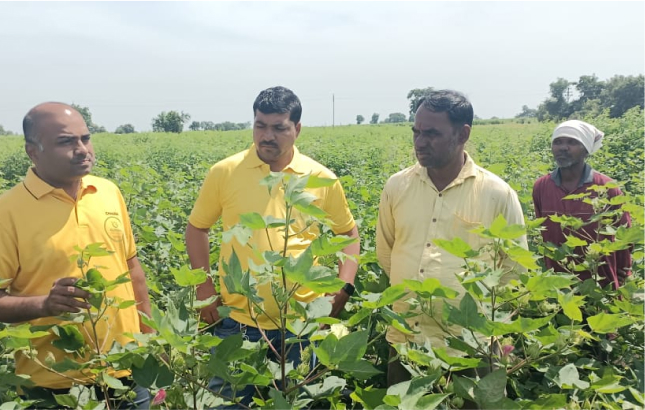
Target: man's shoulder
[(9, 197), (543, 182), (601, 179), (99, 182), (402, 178)]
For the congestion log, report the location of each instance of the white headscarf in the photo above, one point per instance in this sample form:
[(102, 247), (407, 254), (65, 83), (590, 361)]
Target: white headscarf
[(587, 134)]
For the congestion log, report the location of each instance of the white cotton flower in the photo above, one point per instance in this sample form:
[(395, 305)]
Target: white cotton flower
[(339, 330)]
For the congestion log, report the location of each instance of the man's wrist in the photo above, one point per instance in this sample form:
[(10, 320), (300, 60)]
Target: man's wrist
[(349, 289)]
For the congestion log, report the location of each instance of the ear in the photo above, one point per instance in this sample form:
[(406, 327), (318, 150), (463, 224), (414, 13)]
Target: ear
[(32, 152), (464, 134), (298, 126)]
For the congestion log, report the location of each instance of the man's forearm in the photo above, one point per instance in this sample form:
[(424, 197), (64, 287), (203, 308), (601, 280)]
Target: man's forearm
[(198, 249), (347, 268), (16, 309), (141, 296)]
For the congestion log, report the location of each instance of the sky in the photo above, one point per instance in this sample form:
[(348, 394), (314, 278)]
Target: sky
[(129, 61)]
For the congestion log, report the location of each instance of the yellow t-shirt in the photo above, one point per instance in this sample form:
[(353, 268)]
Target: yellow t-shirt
[(412, 213), (232, 188), (40, 225)]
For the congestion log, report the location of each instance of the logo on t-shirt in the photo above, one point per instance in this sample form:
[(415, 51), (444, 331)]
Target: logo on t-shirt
[(114, 228)]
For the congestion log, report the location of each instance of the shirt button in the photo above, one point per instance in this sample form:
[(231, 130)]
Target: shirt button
[(428, 244), (440, 195), (434, 219), (420, 270)]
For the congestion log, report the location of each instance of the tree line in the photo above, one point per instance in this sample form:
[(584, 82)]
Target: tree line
[(589, 96)]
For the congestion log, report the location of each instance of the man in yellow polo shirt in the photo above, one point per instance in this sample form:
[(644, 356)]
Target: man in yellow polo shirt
[(57, 207), (443, 196), (232, 187)]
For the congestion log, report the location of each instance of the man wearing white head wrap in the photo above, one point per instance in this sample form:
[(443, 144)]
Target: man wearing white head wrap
[(571, 143), (587, 134)]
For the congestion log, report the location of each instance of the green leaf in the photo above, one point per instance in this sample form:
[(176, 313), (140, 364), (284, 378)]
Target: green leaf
[(389, 296), (279, 402), (522, 256), (311, 210), (22, 331), (574, 241), (66, 364), (315, 181), (326, 349), (66, 400), (369, 397), (324, 245), (466, 316), (571, 305), (491, 389), (430, 287), (273, 222), (296, 269), (521, 325), (69, 339), (322, 279), (430, 401), (361, 370), (112, 382), (456, 363), (239, 232), (549, 401), (608, 323), (457, 247), (185, 276), (357, 317), (152, 374), (352, 347), (498, 224), (253, 220), (568, 378)]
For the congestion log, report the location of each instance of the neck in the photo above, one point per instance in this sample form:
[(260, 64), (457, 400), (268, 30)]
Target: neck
[(442, 177), (573, 173), (71, 188), (281, 163)]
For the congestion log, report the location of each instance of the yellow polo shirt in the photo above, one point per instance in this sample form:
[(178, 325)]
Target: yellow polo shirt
[(412, 213), (232, 187), (39, 227)]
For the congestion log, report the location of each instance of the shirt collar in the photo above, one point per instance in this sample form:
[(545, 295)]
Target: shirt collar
[(467, 171), (586, 178), (39, 188), (297, 165)]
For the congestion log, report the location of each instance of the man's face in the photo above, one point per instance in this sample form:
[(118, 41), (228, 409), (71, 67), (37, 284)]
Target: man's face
[(436, 141), (274, 136), (568, 152), (67, 153)]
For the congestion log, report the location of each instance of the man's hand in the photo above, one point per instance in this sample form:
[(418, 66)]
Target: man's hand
[(340, 299), (64, 298), (209, 314), (622, 276)]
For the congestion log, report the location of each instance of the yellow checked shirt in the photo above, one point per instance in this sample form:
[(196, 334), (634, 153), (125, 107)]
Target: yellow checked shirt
[(412, 213), (232, 188), (39, 228)]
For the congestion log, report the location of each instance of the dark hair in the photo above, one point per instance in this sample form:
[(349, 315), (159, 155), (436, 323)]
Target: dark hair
[(28, 128), (459, 109), (278, 100)]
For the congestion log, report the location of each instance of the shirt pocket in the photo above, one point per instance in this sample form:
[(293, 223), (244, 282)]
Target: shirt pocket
[(462, 227)]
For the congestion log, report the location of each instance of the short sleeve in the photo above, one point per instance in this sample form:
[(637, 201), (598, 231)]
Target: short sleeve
[(208, 206), (338, 210)]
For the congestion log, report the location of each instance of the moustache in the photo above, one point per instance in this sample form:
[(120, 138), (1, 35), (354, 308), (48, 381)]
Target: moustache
[(268, 144)]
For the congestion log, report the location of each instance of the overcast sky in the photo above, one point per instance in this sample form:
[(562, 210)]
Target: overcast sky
[(129, 61)]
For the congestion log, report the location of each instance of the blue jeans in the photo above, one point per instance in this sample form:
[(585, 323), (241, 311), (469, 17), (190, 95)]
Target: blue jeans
[(45, 397), (229, 327)]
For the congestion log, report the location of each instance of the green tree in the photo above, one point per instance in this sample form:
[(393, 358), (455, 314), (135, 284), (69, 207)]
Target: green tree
[(125, 129), (5, 132), (374, 118), (171, 121), (622, 93), (527, 112), (557, 106), (87, 116), (195, 126), (395, 117), (207, 125), (360, 119), (414, 96)]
